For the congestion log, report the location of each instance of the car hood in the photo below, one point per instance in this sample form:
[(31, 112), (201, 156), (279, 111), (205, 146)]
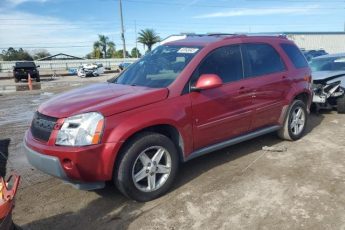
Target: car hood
[(107, 98), (329, 77)]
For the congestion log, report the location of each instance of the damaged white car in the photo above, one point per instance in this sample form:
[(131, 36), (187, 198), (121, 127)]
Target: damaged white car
[(329, 82), (90, 70)]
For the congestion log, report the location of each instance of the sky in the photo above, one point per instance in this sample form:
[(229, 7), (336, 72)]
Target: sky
[(72, 26)]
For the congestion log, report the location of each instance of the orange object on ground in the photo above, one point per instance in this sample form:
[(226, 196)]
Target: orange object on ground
[(29, 82), (8, 190)]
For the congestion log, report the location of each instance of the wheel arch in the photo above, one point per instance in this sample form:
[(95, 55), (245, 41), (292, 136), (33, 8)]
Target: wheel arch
[(305, 97), (165, 129)]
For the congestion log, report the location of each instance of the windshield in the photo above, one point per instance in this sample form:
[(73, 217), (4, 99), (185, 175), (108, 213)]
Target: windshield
[(158, 68), (328, 64)]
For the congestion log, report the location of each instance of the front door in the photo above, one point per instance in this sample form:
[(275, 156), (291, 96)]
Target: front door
[(225, 112)]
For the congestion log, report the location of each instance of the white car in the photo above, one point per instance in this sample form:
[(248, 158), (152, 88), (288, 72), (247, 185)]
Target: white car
[(90, 70)]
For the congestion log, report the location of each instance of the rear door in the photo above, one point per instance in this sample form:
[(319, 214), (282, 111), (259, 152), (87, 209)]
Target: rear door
[(267, 71), (223, 112)]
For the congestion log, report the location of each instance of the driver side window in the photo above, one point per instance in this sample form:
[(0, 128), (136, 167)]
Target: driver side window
[(226, 62)]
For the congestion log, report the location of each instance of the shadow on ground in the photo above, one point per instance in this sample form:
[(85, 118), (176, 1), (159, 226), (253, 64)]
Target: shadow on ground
[(114, 211)]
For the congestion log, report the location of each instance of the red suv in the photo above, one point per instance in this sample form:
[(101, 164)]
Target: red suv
[(184, 99)]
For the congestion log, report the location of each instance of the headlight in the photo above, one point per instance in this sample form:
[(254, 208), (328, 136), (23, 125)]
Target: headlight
[(80, 130)]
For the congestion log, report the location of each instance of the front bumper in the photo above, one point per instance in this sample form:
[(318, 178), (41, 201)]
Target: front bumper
[(85, 167), (47, 164), (51, 165)]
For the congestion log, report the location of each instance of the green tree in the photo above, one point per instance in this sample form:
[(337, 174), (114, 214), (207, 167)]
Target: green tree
[(12, 54), (40, 53), (103, 44), (148, 37), (111, 52), (135, 53), (119, 54)]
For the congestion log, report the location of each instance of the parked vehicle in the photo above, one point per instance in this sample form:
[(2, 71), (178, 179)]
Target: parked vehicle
[(90, 70), (22, 69), (329, 82), (309, 54), (124, 65), (184, 99)]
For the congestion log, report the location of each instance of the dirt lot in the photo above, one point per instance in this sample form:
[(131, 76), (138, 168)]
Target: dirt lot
[(241, 187)]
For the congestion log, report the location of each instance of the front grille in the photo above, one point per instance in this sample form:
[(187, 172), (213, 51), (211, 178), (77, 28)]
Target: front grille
[(42, 126)]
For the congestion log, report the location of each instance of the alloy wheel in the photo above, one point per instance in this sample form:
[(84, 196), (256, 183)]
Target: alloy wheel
[(297, 121), (151, 169)]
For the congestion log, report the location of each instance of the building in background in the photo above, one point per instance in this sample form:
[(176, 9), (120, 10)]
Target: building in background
[(331, 42)]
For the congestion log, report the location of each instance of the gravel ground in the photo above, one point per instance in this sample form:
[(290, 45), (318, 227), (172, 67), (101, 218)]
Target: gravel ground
[(241, 187)]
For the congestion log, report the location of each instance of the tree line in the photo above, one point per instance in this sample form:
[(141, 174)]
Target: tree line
[(103, 48), (12, 54)]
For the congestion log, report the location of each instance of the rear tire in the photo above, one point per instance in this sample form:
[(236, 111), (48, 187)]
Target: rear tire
[(38, 79), (295, 121), (341, 104), (146, 167), (16, 80)]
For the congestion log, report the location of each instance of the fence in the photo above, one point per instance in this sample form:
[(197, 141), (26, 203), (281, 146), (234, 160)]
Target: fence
[(6, 66)]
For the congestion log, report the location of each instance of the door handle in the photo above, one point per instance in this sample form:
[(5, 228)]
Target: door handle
[(243, 90), (284, 77)]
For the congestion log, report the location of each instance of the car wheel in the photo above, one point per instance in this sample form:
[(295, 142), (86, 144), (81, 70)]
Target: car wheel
[(295, 121), (16, 80), (38, 79), (341, 104), (147, 167)]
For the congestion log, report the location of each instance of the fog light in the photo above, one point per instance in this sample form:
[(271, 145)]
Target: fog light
[(67, 164)]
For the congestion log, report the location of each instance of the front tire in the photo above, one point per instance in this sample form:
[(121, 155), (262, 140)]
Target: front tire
[(295, 121), (147, 166), (341, 104)]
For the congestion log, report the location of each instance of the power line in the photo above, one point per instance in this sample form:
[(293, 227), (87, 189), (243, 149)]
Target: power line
[(50, 47)]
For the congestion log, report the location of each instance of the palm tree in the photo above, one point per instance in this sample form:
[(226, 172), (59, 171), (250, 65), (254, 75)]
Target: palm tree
[(111, 49), (102, 44), (148, 37)]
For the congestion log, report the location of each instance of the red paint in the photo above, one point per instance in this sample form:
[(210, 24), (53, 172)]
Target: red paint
[(215, 113), (208, 81)]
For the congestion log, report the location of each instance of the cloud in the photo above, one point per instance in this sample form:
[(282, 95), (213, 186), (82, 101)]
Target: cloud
[(191, 3), (32, 31), (260, 12), (13, 3)]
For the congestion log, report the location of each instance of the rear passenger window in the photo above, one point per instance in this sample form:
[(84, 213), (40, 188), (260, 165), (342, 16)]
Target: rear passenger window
[(226, 62), (261, 59), (295, 55)]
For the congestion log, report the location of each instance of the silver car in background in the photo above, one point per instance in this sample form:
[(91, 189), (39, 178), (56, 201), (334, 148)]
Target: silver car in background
[(329, 81)]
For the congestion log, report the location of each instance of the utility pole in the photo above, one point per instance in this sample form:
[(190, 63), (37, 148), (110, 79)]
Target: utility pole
[(122, 31), (136, 39)]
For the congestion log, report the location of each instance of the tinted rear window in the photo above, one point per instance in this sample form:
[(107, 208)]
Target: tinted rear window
[(261, 59), (295, 55)]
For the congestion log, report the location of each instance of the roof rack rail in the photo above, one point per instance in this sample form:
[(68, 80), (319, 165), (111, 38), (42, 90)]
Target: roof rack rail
[(220, 34), (267, 35)]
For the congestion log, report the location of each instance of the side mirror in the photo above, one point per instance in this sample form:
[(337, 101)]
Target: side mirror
[(207, 81), (38, 66)]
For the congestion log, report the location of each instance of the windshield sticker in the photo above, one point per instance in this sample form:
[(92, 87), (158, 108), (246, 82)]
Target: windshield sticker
[(186, 50)]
